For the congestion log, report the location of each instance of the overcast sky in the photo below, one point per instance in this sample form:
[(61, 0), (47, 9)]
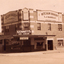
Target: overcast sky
[(10, 5)]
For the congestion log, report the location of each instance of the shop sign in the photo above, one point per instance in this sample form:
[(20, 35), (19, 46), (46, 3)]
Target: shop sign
[(24, 38), (49, 15), (25, 32), (11, 17)]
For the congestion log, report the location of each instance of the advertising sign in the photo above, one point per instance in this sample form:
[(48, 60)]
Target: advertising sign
[(25, 32), (11, 17), (24, 38), (49, 15)]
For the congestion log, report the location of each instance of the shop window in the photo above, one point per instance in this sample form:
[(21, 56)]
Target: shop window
[(49, 27), (26, 26), (38, 26), (27, 42), (59, 27), (39, 43), (60, 42)]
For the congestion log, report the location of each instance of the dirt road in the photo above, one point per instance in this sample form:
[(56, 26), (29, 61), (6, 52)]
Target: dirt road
[(32, 58)]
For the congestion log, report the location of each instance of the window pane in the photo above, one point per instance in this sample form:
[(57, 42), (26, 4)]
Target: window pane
[(25, 15), (60, 27), (26, 26), (60, 42), (38, 26), (7, 29), (49, 26)]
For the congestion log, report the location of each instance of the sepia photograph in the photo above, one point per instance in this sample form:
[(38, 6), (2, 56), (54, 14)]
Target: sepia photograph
[(32, 32)]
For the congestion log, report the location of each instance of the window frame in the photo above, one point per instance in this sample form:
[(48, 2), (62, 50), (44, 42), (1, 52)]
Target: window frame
[(39, 26), (26, 26), (60, 42), (27, 13), (7, 29), (49, 26), (59, 27)]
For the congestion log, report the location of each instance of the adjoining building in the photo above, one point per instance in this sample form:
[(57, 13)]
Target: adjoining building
[(29, 30)]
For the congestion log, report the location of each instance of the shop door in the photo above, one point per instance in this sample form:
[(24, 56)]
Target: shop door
[(50, 44), (26, 45), (4, 45), (0, 45)]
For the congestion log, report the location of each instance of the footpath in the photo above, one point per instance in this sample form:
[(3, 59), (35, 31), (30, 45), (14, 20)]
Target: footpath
[(59, 50)]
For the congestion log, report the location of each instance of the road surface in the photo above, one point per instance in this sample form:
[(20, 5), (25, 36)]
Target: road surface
[(41, 57)]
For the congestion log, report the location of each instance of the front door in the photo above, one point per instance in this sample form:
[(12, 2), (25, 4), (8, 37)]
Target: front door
[(26, 45), (4, 44), (50, 44)]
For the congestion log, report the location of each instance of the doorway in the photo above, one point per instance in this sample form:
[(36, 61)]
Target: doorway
[(50, 44), (27, 45), (4, 44)]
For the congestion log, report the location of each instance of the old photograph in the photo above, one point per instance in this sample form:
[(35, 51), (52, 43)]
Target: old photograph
[(32, 32)]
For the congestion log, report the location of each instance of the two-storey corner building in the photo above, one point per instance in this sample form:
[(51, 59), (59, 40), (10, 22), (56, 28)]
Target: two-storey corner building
[(29, 30)]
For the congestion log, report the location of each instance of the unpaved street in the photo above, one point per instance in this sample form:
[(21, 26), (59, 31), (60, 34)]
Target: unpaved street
[(32, 58)]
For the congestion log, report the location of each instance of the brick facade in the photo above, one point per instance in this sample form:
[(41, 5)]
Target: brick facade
[(49, 28)]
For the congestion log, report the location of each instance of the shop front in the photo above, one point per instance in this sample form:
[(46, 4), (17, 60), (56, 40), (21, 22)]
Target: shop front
[(24, 43), (40, 43), (18, 44)]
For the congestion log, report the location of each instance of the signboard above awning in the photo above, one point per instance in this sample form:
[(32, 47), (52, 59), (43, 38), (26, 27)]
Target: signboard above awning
[(24, 32), (24, 38)]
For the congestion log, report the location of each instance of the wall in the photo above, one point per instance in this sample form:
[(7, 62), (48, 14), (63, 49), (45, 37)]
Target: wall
[(44, 26)]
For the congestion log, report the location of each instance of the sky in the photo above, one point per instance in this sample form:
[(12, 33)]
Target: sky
[(10, 5)]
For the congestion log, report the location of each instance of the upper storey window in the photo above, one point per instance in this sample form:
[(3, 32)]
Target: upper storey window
[(59, 27), (25, 14), (38, 26), (7, 29), (49, 27), (26, 26)]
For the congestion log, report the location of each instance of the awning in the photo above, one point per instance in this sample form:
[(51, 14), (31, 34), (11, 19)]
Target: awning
[(6, 37), (12, 36)]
